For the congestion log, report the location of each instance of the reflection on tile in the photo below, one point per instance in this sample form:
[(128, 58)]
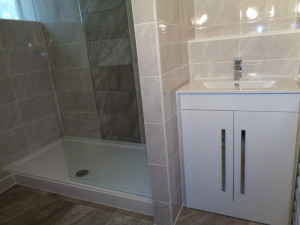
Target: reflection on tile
[(81, 123), (31, 84), (89, 6), (41, 129), (155, 143), (64, 30), (37, 107), (168, 11), (109, 52), (147, 51), (69, 56), (9, 116), (22, 60), (116, 102), (143, 11), (78, 79), (170, 40), (16, 33), (12, 142), (254, 10), (263, 47), (106, 24), (277, 8), (112, 78), (6, 91), (214, 51), (54, 9), (79, 101), (159, 183), (269, 25)]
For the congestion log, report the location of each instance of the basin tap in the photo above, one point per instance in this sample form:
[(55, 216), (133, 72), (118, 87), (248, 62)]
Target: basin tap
[(238, 69)]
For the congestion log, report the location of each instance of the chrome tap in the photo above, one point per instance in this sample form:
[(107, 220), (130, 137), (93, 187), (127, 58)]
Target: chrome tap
[(238, 69)]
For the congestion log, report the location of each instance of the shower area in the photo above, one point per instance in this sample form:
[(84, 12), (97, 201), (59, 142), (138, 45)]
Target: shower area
[(71, 113)]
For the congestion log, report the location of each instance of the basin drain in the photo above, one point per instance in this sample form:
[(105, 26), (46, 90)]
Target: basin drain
[(81, 173)]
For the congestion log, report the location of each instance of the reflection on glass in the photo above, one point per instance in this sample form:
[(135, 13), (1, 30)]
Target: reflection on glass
[(8, 10), (251, 13)]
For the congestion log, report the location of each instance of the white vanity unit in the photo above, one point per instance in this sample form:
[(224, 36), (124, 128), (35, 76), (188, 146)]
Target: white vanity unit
[(239, 147)]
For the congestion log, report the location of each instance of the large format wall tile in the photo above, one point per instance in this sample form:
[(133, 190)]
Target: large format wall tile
[(146, 43), (9, 116), (6, 91), (20, 34), (211, 70), (143, 11), (214, 51), (109, 52), (152, 99), (12, 142), (268, 47), (37, 107), (23, 60), (31, 84), (78, 101), (106, 24), (170, 44), (54, 9), (3, 67), (83, 124), (116, 102), (188, 13), (69, 56), (156, 151), (113, 78), (42, 129), (63, 31), (168, 11), (120, 125), (78, 79), (89, 6)]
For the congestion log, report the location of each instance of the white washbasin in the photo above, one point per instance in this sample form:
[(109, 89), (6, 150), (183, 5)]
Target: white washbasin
[(239, 84)]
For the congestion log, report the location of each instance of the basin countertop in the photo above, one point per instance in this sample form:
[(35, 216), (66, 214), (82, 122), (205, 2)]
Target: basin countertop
[(282, 85)]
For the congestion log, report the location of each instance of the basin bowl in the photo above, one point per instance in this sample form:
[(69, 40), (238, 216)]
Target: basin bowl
[(239, 84)]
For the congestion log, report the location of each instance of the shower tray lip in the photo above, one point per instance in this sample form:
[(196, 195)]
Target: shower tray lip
[(63, 185)]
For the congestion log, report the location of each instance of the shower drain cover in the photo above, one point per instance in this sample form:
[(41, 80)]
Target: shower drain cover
[(81, 173)]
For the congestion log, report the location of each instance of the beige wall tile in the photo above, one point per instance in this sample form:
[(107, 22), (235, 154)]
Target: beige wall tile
[(143, 11), (168, 11)]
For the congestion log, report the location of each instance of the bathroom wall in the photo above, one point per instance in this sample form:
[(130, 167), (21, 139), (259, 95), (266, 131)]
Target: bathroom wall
[(263, 33), (65, 41), (28, 113), (107, 36), (162, 28)]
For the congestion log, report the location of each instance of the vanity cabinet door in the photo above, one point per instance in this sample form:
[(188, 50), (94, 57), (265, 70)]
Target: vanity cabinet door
[(264, 148), (208, 157)]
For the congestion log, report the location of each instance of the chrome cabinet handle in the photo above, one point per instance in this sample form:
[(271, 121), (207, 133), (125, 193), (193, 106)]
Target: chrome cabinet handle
[(223, 137), (243, 152)]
